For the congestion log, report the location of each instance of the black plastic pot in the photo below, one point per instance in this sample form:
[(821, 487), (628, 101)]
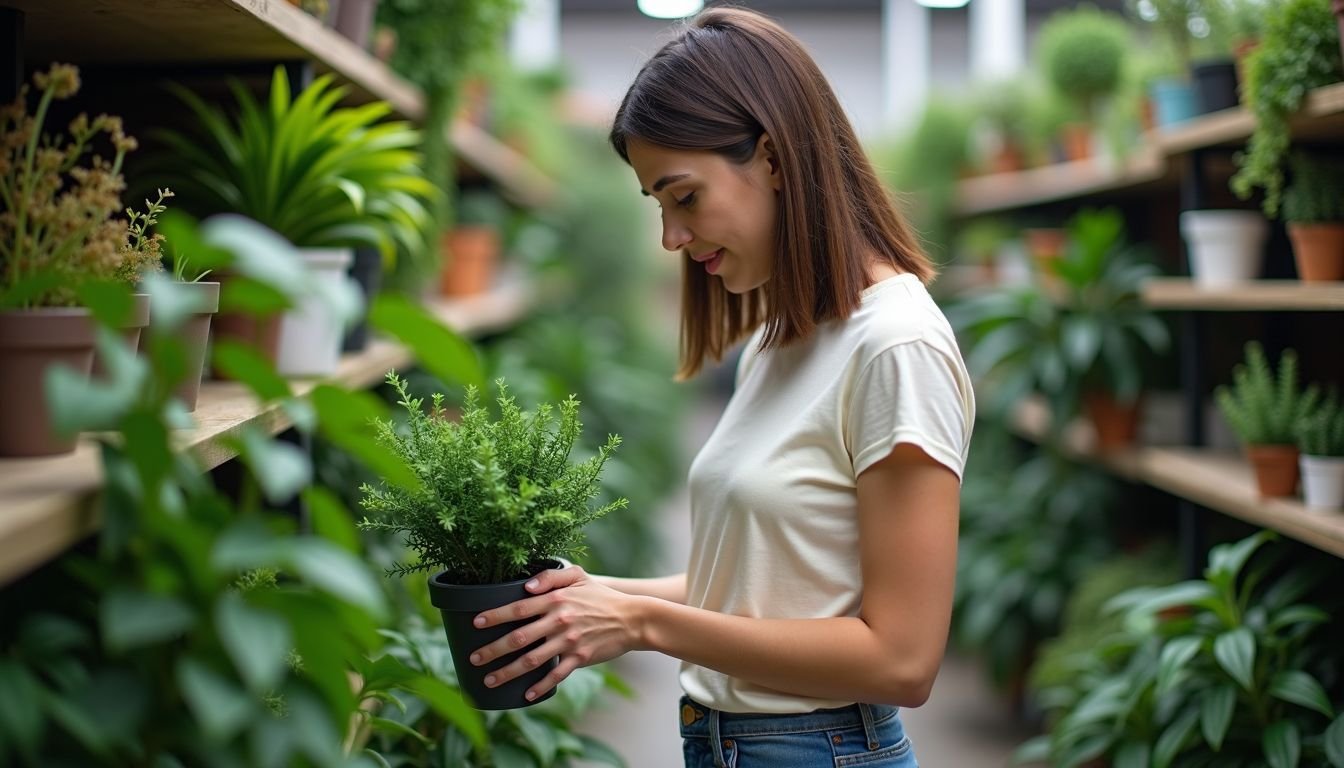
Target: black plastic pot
[(367, 271), (1215, 85), (459, 604)]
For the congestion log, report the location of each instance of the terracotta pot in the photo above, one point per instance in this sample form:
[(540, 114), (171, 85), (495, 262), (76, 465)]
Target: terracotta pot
[(1077, 138), (130, 331), (1046, 246), (1276, 468), (471, 254), (261, 332), (1318, 250), (1116, 423), (1008, 159), (32, 341), (194, 334)]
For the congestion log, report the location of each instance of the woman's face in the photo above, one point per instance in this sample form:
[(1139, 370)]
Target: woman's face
[(719, 214)]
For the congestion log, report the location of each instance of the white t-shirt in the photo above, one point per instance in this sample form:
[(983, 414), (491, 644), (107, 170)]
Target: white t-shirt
[(774, 505)]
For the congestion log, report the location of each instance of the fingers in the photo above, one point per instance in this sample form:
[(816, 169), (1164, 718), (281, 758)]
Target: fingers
[(553, 678), (554, 578), (526, 663)]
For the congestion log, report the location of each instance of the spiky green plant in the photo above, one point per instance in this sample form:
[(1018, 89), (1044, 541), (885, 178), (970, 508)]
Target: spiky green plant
[(498, 497), (1321, 433), (1263, 409)]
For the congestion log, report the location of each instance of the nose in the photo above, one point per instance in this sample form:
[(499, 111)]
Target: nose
[(675, 235)]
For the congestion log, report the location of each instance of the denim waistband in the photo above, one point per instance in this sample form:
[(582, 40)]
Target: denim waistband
[(695, 720)]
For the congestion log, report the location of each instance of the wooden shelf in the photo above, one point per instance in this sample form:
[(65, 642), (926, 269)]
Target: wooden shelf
[(49, 503), (1322, 118), (220, 32), (1219, 481), (1249, 296)]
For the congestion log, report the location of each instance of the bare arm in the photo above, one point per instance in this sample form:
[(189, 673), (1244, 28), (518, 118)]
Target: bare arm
[(669, 588), (890, 653)]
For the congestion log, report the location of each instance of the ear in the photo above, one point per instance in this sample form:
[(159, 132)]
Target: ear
[(765, 154)]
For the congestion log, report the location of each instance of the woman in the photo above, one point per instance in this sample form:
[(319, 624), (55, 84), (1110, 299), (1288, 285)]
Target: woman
[(824, 506)]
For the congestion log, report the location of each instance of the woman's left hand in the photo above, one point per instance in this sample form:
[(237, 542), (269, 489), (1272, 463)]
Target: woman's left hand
[(584, 623)]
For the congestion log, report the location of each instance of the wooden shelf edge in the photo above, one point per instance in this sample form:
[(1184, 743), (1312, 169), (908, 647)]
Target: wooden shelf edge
[(46, 505), (1221, 482), (1253, 296)]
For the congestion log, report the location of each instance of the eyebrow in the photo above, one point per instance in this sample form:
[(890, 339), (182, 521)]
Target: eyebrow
[(663, 182)]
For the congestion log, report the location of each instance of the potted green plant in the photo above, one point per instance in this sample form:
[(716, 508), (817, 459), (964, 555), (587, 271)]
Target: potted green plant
[(1264, 410), (325, 178), (501, 501), (1300, 50), (140, 255), (1003, 107), (187, 250), (59, 231), (1320, 437), (1172, 94), (1082, 53), (1234, 669), (471, 248), (1313, 206)]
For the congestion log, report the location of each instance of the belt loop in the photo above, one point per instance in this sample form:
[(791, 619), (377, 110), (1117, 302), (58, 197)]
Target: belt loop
[(869, 730), (715, 742)]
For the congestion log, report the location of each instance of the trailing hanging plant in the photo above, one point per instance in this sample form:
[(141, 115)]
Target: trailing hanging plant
[(1299, 51), (499, 496), (1262, 407)]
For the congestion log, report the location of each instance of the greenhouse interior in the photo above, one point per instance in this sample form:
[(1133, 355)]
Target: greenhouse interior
[(272, 478)]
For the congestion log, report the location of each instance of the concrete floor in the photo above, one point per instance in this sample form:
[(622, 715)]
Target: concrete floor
[(964, 724)]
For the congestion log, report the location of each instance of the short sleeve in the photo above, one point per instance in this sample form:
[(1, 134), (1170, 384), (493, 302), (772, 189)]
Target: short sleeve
[(911, 393)]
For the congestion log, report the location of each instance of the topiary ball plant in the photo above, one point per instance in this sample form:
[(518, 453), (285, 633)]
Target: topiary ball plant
[(1082, 53)]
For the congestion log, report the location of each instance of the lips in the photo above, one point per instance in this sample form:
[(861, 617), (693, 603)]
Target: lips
[(711, 260), (704, 257)]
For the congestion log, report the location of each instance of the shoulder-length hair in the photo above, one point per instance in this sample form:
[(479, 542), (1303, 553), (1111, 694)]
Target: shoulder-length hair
[(730, 76)]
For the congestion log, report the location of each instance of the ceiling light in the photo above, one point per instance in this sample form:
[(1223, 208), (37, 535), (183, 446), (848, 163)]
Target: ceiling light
[(671, 9), (943, 3)]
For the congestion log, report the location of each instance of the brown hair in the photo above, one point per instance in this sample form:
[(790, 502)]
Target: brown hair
[(730, 76)]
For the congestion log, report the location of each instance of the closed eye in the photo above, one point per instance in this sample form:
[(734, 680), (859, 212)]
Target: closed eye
[(687, 201)]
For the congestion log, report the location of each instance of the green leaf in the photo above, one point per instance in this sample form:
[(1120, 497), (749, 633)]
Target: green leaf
[(1282, 744), (21, 718), (398, 729), (281, 469), (330, 519), (110, 302), (538, 734), (1034, 750), (1174, 738), (1132, 754), (131, 620), (442, 352), (337, 572), (1334, 742), (348, 419), (1298, 687), (218, 705), (508, 755), (448, 702), (257, 641), (242, 362), (1227, 560), (599, 752), (1175, 655), (1235, 652), (1216, 709)]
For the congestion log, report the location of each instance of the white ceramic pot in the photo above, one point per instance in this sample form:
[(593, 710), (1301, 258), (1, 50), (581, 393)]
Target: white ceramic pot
[(311, 332), (1323, 481), (1224, 246)]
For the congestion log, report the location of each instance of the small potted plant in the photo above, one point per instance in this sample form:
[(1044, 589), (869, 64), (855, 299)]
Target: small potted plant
[(471, 249), (1320, 437), (185, 244), (1265, 410), (59, 230), (1299, 51), (325, 178), (1172, 94), (1313, 206), (141, 254), (1083, 55), (501, 501)]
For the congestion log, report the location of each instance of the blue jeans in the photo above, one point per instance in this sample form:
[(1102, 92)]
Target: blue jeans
[(867, 735)]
